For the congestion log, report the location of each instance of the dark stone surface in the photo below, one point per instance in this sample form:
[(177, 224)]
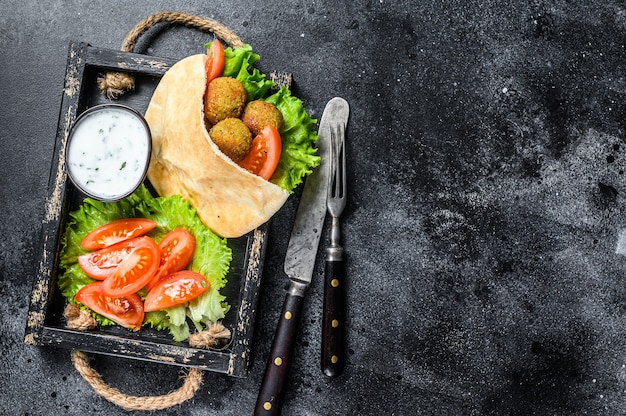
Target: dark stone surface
[(485, 228)]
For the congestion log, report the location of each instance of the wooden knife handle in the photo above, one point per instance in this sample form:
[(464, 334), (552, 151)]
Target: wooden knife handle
[(333, 321), (270, 399)]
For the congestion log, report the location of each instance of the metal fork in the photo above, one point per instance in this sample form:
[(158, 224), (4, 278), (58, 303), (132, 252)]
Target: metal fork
[(337, 186), (333, 322)]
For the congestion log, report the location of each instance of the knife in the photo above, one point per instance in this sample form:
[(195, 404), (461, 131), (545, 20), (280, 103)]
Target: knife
[(299, 265)]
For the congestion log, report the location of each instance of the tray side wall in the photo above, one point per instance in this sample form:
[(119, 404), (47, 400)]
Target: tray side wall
[(55, 198)]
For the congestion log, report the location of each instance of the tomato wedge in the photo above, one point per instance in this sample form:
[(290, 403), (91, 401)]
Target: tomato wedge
[(102, 263), (116, 231), (177, 249), (137, 268), (264, 154), (127, 311), (175, 289), (214, 64)]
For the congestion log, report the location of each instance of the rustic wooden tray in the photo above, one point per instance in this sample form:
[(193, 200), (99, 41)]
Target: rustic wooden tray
[(45, 324)]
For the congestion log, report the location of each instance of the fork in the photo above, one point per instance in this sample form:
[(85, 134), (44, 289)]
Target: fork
[(333, 321)]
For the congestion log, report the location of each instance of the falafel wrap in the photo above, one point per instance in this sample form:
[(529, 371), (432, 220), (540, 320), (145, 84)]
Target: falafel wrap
[(230, 200)]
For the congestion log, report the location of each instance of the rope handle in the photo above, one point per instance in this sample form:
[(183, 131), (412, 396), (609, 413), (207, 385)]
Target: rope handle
[(113, 84), (80, 319), (191, 384)]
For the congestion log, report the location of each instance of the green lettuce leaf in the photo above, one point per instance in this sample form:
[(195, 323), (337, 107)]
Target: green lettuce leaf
[(178, 322), (211, 259), (238, 64), (92, 214), (212, 256), (298, 157)]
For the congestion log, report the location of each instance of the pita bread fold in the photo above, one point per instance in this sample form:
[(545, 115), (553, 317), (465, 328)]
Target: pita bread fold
[(230, 200)]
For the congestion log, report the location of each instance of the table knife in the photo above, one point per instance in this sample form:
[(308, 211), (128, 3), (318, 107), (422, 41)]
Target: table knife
[(299, 264)]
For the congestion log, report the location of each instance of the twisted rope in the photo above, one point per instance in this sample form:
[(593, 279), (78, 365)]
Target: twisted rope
[(201, 23), (191, 384), (78, 319), (113, 84), (211, 337)]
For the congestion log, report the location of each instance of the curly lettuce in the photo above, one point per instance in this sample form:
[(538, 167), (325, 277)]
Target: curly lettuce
[(212, 257), (298, 157)]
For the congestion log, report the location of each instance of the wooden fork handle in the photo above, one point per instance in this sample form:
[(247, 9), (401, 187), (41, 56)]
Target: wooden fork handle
[(333, 321)]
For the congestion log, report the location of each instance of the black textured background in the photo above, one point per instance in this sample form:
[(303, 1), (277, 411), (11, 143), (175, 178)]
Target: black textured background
[(485, 228)]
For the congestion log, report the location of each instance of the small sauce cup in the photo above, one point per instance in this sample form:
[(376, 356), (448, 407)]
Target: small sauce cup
[(108, 151)]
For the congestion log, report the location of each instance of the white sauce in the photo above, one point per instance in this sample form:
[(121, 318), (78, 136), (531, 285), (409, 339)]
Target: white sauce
[(107, 154)]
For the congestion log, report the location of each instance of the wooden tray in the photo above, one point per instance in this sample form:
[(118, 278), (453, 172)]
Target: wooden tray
[(45, 324)]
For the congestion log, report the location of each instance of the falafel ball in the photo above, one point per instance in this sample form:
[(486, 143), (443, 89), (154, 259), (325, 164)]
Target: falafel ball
[(259, 114), (232, 137), (224, 97)]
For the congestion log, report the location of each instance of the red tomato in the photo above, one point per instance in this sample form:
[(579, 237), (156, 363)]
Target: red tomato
[(127, 311), (264, 153), (116, 231), (102, 263), (177, 249), (175, 289), (214, 64), (135, 270)]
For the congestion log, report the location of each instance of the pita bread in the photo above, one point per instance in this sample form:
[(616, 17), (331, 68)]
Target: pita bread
[(230, 200)]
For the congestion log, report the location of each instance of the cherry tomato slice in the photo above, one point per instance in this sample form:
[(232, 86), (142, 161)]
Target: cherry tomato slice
[(102, 263), (264, 154), (135, 270), (127, 311), (177, 249), (175, 289), (214, 64), (116, 231)]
